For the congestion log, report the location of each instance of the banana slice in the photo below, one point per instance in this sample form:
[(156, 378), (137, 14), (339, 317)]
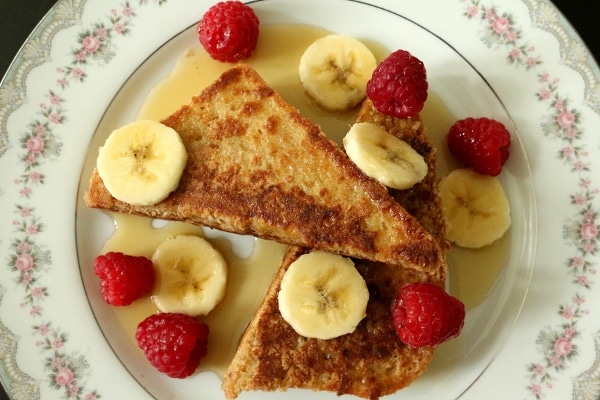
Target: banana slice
[(142, 162), (475, 207), (323, 296), (334, 71), (191, 275), (383, 156)]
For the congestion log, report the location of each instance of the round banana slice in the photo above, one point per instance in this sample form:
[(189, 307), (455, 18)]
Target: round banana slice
[(141, 163), (334, 71), (383, 156), (475, 207), (323, 296), (191, 275)]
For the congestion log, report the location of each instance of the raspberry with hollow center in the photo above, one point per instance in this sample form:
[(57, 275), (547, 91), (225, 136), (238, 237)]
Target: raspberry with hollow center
[(123, 278), (229, 31), (425, 315), (173, 343), (480, 143), (398, 86)]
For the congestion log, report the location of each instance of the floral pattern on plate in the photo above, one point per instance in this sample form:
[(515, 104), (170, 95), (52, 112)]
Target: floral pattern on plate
[(29, 259), (559, 342)]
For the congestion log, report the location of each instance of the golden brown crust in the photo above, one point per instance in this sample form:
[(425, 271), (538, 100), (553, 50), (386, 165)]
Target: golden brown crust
[(370, 362), (422, 200), (256, 166)]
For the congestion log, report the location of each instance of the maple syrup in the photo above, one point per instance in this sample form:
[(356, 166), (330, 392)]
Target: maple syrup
[(473, 273), (248, 279)]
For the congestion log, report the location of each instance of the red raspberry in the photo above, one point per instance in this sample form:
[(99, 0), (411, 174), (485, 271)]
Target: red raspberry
[(425, 315), (480, 143), (123, 278), (173, 343), (398, 86), (229, 31)]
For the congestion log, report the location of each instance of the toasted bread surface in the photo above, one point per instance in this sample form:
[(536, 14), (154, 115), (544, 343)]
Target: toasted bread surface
[(422, 200), (256, 166), (371, 361)]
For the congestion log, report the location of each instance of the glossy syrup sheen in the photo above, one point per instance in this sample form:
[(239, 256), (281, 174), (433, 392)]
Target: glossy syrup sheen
[(472, 273), (248, 279)]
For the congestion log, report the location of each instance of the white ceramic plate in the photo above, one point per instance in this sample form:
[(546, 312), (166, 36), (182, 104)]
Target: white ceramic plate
[(518, 62)]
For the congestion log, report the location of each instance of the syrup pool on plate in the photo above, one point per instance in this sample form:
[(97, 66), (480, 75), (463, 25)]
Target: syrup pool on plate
[(248, 275), (472, 272)]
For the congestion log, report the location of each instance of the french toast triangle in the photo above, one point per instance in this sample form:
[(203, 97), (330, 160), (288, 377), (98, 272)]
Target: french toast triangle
[(371, 361), (256, 166)]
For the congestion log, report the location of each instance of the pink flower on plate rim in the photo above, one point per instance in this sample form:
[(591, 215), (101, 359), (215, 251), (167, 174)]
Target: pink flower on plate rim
[(40, 129), (539, 370), (577, 262), (565, 119), (91, 44), (35, 144), (472, 11), (501, 25), (24, 262), (64, 376), (535, 389), (589, 231), (563, 346)]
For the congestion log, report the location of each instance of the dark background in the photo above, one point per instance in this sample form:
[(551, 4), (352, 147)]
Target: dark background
[(19, 17)]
